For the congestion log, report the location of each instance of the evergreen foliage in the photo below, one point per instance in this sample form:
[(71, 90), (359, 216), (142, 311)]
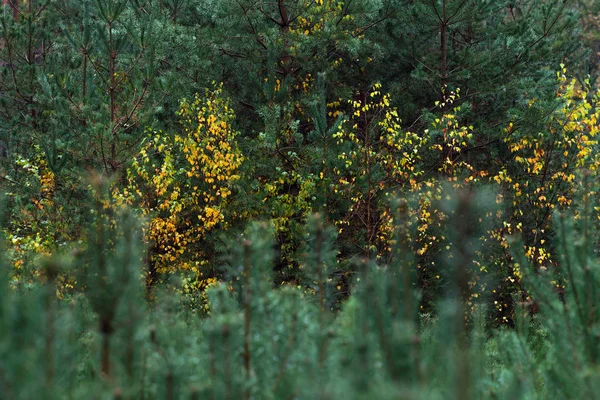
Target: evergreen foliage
[(298, 199), (260, 341)]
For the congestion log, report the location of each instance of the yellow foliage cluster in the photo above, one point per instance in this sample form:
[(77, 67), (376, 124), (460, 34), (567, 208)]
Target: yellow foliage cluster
[(182, 182), (41, 226), (317, 15), (383, 160), (377, 158), (542, 178), (35, 234), (549, 161)]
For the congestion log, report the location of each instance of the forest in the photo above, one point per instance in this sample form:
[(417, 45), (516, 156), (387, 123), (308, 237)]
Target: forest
[(299, 199)]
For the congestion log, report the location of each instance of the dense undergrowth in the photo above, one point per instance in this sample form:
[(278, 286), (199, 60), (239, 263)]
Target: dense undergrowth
[(253, 340)]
